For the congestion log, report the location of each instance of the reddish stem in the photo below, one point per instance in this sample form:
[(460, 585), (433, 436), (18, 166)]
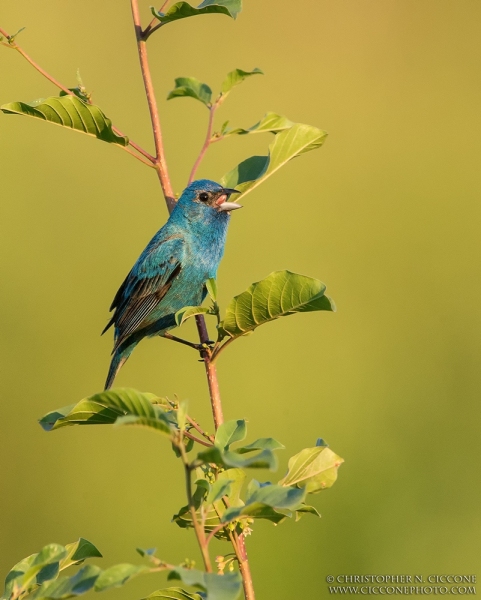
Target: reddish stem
[(196, 426), (245, 568), (211, 373), (160, 162), (207, 142), (38, 68), (160, 165), (196, 439)]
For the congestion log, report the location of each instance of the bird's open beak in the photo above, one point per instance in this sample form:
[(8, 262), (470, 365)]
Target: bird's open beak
[(222, 203)]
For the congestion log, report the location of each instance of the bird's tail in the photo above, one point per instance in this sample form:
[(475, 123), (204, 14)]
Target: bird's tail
[(118, 359)]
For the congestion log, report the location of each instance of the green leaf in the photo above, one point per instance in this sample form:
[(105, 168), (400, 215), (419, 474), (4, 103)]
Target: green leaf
[(305, 509), (257, 510), (225, 458), (201, 491), (182, 10), (314, 469), (157, 424), (51, 554), (286, 145), (274, 495), (184, 520), (230, 432), (15, 575), (270, 123), (228, 482), (187, 312), (237, 478), (235, 431), (11, 39), (37, 575), (263, 497), (218, 489), (173, 593), (27, 574), (182, 415), (146, 551), (235, 77), (68, 587), (261, 444), (280, 294), (118, 575), (211, 285), (218, 587), (112, 406), (233, 6), (41, 568), (79, 92), (71, 112), (265, 459), (78, 552), (211, 455), (192, 87)]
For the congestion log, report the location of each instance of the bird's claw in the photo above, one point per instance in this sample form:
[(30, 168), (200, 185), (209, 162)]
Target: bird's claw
[(207, 347)]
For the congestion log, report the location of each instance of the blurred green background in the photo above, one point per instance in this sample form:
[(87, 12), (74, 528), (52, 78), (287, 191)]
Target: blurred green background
[(386, 213)]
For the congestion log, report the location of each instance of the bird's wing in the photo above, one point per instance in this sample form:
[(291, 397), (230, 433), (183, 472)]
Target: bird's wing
[(145, 286)]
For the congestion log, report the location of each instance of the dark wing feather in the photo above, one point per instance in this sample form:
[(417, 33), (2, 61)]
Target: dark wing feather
[(136, 311), (145, 286)]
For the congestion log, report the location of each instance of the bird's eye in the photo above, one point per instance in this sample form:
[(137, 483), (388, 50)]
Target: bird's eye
[(204, 197)]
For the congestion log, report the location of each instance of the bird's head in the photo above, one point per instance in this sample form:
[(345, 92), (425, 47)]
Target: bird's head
[(207, 196)]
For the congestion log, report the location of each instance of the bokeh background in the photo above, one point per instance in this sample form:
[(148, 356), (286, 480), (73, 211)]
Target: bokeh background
[(386, 213)]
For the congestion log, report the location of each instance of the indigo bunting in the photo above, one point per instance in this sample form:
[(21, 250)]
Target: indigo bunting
[(172, 270)]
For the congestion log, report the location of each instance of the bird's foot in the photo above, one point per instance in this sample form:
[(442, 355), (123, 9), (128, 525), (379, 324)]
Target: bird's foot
[(206, 347)]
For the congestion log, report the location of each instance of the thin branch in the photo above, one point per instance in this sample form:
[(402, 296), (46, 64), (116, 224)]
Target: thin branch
[(214, 531), (4, 33), (154, 24), (163, 175), (136, 146), (244, 566), (142, 160), (160, 162), (162, 8), (40, 70), (196, 426), (37, 67), (207, 142), (223, 526), (196, 439), (217, 350), (210, 367), (151, 27), (199, 531), (211, 372)]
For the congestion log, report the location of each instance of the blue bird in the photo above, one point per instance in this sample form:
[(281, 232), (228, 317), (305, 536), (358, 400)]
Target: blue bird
[(172, 270)]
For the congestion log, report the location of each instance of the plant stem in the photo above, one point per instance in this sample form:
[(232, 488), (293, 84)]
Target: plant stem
[(160, 162), (210, 367), (142, 160), (199, 530), (196, 439), (207, 141), (211, 372), (196, 426), (244, 567), (154, 24), (218, 349), (37, 67)]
